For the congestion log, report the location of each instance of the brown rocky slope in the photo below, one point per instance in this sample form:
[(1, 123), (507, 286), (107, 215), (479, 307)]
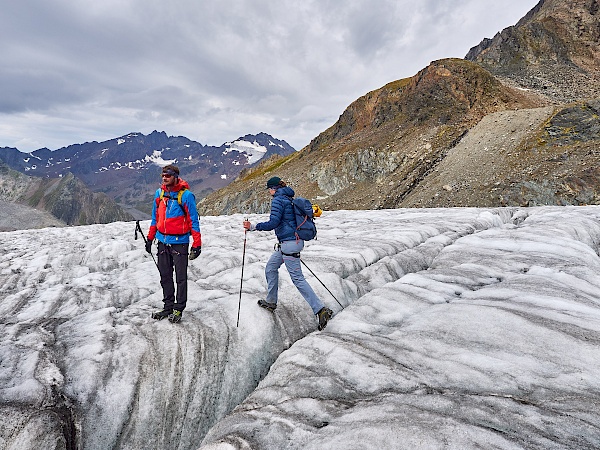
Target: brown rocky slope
[(506, 129), (384, 144)]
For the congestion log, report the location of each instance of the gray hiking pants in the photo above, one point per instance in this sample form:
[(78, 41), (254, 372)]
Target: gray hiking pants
[(294, 268)]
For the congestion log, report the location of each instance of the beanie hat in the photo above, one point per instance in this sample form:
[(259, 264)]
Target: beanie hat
[(273, 183)]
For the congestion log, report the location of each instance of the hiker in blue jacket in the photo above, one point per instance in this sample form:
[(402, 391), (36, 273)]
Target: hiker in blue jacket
[(283, 221)]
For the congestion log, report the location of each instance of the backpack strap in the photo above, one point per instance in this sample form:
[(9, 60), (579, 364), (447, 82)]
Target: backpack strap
[(296, 209), (179, 195)]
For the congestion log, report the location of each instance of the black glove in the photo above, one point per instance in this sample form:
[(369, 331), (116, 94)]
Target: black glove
[(194, 252), (149, 246)]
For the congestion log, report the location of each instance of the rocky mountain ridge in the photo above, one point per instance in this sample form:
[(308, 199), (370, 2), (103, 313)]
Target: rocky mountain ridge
[(67, 199), (385, 143), (423, 141), (553, 50), (127, 168)]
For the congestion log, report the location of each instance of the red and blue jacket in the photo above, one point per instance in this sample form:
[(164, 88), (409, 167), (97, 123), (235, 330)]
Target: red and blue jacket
[(173, 223)]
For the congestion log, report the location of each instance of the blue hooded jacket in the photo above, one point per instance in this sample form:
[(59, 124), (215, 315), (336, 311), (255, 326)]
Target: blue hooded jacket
[(282, 218)]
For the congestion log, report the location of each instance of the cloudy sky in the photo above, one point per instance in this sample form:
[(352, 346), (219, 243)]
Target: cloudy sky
[(74, 71)]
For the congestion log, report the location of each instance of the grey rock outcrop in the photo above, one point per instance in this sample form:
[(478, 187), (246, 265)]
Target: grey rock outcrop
[(554, 50), (66, 198)]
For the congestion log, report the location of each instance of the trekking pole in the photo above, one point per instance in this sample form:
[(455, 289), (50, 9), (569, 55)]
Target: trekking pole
[(302, 261), (139, 228), (242, 277)]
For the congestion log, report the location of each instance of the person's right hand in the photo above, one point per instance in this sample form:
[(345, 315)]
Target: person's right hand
[(247, 225), (149, 246)]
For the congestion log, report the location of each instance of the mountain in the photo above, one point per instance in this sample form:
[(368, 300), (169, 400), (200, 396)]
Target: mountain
[(554, 50), (127, 168), (14, 216), (385, 143), (513, 124), (27, 200)]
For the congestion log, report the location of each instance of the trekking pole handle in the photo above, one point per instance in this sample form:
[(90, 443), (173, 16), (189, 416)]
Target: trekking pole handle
[(139, 228)]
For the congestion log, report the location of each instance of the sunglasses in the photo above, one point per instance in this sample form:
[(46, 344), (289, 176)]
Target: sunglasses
[(166, 175)]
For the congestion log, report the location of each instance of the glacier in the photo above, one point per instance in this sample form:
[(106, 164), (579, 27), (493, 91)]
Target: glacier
[(458, 328)]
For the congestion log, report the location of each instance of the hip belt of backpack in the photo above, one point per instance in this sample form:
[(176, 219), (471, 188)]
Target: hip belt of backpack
[(295, 255)]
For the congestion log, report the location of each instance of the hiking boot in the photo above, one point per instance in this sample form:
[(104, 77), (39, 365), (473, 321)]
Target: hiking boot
[(175, 316), (324, 315), (265, 304), (160, 315)]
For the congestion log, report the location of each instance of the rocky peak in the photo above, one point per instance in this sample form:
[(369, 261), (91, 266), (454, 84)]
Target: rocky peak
[(554, 50), (447, 91)]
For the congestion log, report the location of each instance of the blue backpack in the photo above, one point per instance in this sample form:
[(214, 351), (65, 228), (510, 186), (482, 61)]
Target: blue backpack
[(305, 224)]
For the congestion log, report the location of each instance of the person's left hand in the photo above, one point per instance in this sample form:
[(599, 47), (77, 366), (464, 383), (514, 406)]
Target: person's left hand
[(247, 225), (195, 252)]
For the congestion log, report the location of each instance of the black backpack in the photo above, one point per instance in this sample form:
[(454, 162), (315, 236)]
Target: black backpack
[(304, 213)]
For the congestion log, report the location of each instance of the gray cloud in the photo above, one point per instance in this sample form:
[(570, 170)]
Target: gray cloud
[(80, 71)]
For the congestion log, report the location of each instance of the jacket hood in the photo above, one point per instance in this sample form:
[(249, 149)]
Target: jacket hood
[(181, 184), (286, 190)]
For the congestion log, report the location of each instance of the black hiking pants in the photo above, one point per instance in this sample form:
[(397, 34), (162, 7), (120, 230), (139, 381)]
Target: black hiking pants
[(171, 257)]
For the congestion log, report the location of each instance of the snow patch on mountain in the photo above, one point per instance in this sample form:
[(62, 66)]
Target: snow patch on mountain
[(156, 158), (253, 150)]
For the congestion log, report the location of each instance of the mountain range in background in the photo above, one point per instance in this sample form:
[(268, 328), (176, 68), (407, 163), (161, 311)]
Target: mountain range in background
[(515, 123), (122, 174)]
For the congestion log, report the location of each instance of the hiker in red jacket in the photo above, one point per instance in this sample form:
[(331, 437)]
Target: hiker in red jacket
[(174, 219)]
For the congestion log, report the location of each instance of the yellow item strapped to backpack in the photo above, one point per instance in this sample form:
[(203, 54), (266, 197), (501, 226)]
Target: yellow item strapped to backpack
[(317, 211)]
